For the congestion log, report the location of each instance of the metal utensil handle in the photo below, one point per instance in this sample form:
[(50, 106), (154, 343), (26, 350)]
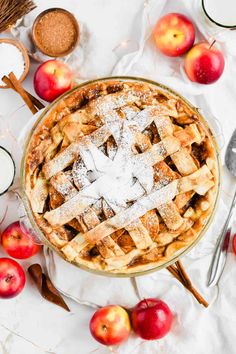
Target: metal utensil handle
[(219, 258)]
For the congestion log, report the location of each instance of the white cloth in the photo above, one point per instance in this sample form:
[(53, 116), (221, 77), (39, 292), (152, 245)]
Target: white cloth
[(196, 329), (190, 316)]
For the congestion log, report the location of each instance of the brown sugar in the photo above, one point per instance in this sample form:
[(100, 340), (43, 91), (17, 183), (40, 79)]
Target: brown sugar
[(55, 32)]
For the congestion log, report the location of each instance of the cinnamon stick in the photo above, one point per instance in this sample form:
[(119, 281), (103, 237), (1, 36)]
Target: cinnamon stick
[(181, 275), (34, 100), (174, 272), (46, 287), (198, 296), (22, 93), (189, 284)]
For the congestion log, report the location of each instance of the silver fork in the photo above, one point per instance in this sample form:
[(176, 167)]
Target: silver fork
[(220, 254)]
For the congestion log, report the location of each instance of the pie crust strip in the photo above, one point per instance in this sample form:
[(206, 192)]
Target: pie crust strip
[(138, 209)]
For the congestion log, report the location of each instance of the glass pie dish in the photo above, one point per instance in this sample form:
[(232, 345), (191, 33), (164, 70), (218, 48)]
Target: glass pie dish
[(107, 247)]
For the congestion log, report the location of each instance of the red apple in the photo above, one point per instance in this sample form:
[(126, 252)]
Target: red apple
[(174, 34), (12, 278), (52, 79), (151, 319), (234, 244), (18, 241), (110, 325), (204, 63)]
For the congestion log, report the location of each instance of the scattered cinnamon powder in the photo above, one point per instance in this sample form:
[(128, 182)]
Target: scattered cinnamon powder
[(56, 32)]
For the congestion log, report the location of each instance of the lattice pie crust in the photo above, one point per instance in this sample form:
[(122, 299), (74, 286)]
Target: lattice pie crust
[(121, 175)]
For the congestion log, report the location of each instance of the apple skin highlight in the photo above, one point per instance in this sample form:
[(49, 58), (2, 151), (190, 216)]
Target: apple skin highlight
[(52, 79), (18, 242), (110, 325), (204, 63), (151, 319), (174, 34), (12, 278)]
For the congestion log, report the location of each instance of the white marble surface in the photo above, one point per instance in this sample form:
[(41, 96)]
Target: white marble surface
[(29, 324)]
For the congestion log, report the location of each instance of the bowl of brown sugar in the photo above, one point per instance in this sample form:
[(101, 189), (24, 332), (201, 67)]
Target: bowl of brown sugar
[(55, 32)]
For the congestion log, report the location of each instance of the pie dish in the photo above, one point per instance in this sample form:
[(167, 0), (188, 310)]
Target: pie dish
[(120, 176)]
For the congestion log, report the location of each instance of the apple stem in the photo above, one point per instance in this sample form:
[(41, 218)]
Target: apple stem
[(212, 43), (8, 278), (146, 302)]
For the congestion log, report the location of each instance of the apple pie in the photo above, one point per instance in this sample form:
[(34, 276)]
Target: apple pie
[(121, 175)]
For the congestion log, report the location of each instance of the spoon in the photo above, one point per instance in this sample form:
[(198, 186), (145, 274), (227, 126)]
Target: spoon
[(220, 254)]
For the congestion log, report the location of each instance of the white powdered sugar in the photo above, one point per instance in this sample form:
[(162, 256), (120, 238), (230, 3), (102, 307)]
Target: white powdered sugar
[(126, 177), (11, 60), (126, 216)]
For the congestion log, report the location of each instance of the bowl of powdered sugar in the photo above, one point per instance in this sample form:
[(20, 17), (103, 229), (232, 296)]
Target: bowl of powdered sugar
[(14, 58)]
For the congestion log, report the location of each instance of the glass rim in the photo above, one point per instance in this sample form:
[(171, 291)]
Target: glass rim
[(215, 22), (176, 255)]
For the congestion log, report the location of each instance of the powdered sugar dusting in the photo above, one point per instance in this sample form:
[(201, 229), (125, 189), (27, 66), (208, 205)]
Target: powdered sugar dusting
[(125, 177), (138, 209)]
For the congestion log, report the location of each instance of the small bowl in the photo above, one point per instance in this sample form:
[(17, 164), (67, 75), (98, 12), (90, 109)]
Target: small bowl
[(38, 43), (23, 50)]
